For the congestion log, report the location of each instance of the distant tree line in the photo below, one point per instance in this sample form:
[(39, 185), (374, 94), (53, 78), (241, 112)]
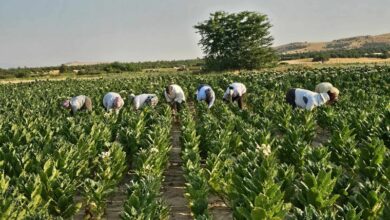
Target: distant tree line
[(373, 52), (22, 72), (115, 67)]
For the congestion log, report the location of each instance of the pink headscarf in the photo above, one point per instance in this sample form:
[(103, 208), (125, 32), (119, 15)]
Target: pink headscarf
[(66, 104), (116, 102)]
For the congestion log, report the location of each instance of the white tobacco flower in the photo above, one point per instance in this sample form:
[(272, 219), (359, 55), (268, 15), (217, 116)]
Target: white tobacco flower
[(258, 148), (105, 155), (266, 149), (148, 167), (154, 150)]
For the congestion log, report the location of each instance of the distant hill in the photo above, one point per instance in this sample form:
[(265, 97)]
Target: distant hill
[(360, 42)]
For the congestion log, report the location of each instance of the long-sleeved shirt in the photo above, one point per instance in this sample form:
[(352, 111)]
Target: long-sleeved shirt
[(140, 100), (177, 94), (308, 100), (235, 90), (78, 102), (109, 99), (202, 95)]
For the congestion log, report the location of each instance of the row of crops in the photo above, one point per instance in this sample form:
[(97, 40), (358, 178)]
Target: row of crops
[(266, 162)]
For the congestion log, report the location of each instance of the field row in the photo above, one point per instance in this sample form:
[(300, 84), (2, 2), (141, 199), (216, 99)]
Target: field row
[(268, 161)]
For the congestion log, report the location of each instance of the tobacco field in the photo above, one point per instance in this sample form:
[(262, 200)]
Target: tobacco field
[(268, 161)]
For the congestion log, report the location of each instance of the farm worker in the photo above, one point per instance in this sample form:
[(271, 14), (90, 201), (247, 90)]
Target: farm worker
[(308, 100), (78, 103), (205, 93), (175, 96), (323, 87), (113, 101), (235, 92), (144, 99)]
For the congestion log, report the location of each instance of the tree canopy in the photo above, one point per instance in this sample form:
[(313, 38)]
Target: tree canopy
[(236, 40)]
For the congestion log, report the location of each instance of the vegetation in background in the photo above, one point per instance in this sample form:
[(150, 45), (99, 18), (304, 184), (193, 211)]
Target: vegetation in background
[(108, 68), (323, 57)]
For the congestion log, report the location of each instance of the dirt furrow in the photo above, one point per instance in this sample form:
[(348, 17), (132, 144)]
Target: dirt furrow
[(174, 183), (322, 137), (115, 202), (218, 209)]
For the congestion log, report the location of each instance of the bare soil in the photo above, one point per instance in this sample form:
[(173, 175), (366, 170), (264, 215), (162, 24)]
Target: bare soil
[(174, 183), (322, 136), (218, 209), (115, 202)]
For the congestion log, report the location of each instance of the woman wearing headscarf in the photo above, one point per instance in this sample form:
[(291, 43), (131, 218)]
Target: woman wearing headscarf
[(235, 92), (113, 101), (174, 95), (308, 100), (78, 103), (205, 93)]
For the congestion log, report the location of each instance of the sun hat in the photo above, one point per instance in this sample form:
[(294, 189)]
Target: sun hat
[(323, 87)]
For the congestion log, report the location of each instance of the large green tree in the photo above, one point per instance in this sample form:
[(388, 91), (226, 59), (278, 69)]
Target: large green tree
[(236, 40)]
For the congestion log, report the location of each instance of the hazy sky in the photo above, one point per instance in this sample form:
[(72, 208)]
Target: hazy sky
[(51, 32)]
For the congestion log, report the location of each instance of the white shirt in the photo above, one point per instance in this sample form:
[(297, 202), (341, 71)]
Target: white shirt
[(77, 102), (108, 101), (139, 100), (308, 100), (235, 89), (176, 96), (201, 94)]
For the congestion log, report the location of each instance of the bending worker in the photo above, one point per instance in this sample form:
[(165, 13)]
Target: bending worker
[(78, 103), (113, 101), (143, 99), (174, 95), (205, 93), (235, 92), (308, 100)]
